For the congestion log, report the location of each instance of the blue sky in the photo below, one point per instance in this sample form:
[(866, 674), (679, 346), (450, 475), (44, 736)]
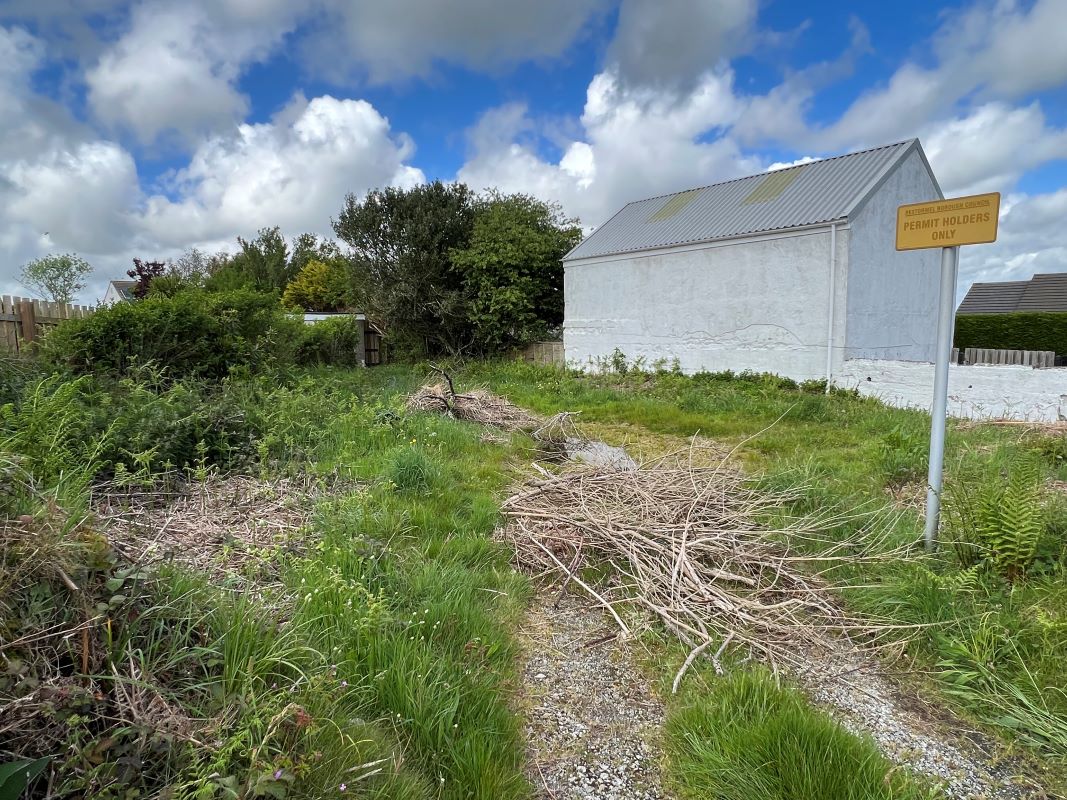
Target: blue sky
[(143, 129)]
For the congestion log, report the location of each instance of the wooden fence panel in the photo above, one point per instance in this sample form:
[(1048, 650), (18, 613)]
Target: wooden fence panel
[(544, 353), (24, 320)]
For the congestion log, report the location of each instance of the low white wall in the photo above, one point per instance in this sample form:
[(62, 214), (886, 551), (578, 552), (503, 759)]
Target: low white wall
[(974, 392)]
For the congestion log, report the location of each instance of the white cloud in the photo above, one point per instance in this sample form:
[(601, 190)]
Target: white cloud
[(62, 188), (79, 196), (637, 141), (674, 43), (293, 172), (990, 51), (1031, 238), (796, 162), (176, 67), (400, 39), (991, 148), (1011, 47)]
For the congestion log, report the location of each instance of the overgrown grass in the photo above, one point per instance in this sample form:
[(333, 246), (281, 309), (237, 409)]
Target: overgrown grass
[(748, 739), (998, 645), (381, 669), (386, 661)]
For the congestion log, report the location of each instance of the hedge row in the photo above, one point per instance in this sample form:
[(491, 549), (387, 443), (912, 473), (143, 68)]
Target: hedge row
[(1019, 331), (197, 334)]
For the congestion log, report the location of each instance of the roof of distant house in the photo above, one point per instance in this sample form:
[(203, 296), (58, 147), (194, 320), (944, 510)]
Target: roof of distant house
[(805, 194), (124, 288), (1043, 292)]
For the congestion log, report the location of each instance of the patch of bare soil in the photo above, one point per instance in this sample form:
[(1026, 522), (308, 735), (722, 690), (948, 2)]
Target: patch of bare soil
[(592, 720)]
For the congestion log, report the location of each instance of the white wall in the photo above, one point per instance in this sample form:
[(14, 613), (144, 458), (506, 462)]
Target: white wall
[(758, 304), (111, 296), (892, 296), (974, 392)]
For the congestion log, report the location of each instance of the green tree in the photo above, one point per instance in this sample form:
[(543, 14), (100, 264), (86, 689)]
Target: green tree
[(265, 260), (265, 263), (401, 243), (513, 269), (319, 286), (59, 276)]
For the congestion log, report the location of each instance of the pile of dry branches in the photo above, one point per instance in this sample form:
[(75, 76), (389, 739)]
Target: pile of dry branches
[(477, 406), (683, 542), (228, 527)]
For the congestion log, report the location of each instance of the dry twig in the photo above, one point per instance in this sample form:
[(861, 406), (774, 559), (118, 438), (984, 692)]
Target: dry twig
[(684, 542)]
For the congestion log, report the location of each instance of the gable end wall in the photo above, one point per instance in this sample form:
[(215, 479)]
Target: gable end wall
[(891, 307)]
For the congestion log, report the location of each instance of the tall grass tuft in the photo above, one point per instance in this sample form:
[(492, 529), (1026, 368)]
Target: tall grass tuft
[(748, 739)]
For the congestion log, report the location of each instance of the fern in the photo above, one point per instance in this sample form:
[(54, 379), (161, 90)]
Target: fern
[(998, 521), (1014, 540)]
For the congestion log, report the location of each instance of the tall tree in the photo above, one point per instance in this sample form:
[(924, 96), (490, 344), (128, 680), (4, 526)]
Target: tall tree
[(401, 243), (513, 269), (265, 260), (143, 273), (59, 276)]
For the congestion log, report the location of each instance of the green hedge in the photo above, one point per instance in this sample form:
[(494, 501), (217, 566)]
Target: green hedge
[(192, 334), (1019, 331), (334, 341)]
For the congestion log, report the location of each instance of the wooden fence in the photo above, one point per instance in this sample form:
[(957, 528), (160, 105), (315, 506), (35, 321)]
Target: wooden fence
[(544, 353), (24, 320), (1026, 358)]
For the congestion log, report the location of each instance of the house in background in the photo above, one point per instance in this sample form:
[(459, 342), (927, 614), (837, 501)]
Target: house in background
[(119, 292), (1045, 292), (793, 271)]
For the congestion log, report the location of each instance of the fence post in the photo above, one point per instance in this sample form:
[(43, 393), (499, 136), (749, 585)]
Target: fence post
[(28, 320)]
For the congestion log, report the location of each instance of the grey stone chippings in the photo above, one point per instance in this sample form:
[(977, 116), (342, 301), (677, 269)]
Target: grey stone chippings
[(592, 721)]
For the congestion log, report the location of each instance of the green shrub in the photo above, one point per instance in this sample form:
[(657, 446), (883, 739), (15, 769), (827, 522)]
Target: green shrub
[(192, 334), (1019, 331), (336, 341)]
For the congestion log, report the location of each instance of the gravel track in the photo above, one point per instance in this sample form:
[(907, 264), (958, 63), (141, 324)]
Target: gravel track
[(850, 687), (592, 721)]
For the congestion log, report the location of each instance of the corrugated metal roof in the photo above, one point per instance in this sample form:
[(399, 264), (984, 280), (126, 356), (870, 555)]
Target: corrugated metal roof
[(1043, 292), (807, 194)]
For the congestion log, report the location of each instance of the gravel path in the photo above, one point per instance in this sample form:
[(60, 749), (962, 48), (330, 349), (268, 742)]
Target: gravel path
[(848, 684), (592, 721)]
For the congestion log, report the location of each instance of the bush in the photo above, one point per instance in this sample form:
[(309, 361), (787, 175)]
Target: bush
[(65, 433), (193, 334), (1018, 331), (335, 341)]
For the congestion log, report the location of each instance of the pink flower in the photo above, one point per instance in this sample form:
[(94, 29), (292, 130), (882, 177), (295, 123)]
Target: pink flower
[(343, 787), (278, 774)]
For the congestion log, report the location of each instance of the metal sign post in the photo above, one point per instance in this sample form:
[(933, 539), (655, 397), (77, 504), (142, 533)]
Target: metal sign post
[(939, 411), (946, 224)]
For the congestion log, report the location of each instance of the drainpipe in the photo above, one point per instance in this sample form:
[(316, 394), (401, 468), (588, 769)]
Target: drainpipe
[(830, 315)]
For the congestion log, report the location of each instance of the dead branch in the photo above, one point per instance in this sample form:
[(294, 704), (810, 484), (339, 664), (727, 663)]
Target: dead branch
[(687, 543)]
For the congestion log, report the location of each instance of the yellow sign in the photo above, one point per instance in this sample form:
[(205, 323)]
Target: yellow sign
[(947, 223)]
